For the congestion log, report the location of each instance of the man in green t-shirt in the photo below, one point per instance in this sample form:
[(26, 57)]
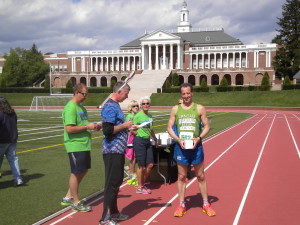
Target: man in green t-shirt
[(77, 140)]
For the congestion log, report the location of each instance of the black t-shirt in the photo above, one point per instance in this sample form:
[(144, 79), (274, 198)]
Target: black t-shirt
[(8, 128)]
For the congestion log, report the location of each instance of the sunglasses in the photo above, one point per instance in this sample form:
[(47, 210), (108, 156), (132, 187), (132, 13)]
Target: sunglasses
[(84, 94), (135, 106), (145, 103)]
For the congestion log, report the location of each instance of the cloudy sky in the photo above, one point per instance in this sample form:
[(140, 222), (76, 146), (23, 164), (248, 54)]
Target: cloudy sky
[(66, 25)]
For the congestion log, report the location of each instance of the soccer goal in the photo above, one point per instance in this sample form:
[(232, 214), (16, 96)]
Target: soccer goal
[(49, 103)]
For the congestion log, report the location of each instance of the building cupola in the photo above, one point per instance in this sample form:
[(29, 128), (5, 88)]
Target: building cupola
[(184, 25)]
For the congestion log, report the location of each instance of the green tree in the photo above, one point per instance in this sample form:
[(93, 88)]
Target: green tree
[(175, 79), (168, 84), (203, 83), (69, 84), (265, 82), (287, 80), (24, 67), (224, 82), (287, 60), (47, 82), (113, 82)]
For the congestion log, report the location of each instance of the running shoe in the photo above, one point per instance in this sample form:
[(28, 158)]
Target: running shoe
[(67, 201), (119, 217), (142, 190), (81, 207), (180, 211), (208, 210), (147, 189), (108, 222)]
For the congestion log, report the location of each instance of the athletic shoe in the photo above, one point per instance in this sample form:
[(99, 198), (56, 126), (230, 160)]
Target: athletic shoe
[(142, 190), (208, 210), (119, 217), (67, 201), (81, 207), (180, 211), (19, 183), (108, 222), (147, 189)]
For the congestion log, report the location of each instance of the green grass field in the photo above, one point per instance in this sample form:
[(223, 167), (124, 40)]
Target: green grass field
[(45, 166)]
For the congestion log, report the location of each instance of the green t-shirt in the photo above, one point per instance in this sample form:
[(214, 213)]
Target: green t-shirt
[(188, 121), (74, 114), (139, 118), (129, 116)]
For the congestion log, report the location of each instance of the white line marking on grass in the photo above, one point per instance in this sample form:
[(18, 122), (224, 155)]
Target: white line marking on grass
[(42, 128), (292, 136), (194, 179), (49, 131), (238, 215), (40, 138)]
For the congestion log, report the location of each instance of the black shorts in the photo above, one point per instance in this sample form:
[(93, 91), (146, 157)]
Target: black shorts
[(80, 162), (143, 151)]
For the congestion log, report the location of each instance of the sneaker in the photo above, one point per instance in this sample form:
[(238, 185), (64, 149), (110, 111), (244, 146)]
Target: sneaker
[(108, 222), (142, 190), (147, 189), (208, 210), (81, 207), (19, 183), (119, 217), (67, 201), (180, 211)]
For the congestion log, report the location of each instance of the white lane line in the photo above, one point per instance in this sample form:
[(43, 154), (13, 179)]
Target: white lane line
[(292, 136), (194, 179), (92, 202), (296, 116), (238, 215), (97, 199)]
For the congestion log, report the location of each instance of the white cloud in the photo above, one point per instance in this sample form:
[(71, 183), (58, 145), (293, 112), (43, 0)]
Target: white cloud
[(62, 25)]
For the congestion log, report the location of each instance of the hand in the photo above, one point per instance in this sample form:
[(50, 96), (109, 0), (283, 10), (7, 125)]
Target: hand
[(128, 124), (98, 126), (91, 126), (134, 127), (196, 140), (181, 143)]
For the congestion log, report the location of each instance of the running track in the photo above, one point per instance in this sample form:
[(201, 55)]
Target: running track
[(253, 176)]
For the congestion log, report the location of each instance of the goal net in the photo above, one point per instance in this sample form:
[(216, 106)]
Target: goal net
[(49, 103)]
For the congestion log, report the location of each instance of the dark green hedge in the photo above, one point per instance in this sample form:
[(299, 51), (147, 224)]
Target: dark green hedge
[(24, 90), (91, 90), (242, 88), (176, 90), (291, 87)]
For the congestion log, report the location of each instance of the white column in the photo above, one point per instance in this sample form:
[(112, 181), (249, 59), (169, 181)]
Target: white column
[(221, 58), (203, 65), (140, 61), (208, 60), (143, 57), (124, 69), (246, 63), (215, 60), (118, 64), (134, 67), (102, 64), (178, 57), (233, 59), (164, 57), (150, 60), (156, 57), (255, 63), (197, 61), (171, 56), (240, 60), (227, 59), (72, 61), (82, 64), (191, 61)]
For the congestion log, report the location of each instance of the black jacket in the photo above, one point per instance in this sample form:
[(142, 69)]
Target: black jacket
[(8, 128)]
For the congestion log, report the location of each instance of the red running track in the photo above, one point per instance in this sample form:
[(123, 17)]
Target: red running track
[(253, 176)]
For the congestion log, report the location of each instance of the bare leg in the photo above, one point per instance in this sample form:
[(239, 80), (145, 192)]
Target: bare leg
[(74, 182), (199, 172), (182, 172)]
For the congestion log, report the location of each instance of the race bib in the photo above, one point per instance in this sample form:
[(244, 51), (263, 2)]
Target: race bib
[(186, 135)]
